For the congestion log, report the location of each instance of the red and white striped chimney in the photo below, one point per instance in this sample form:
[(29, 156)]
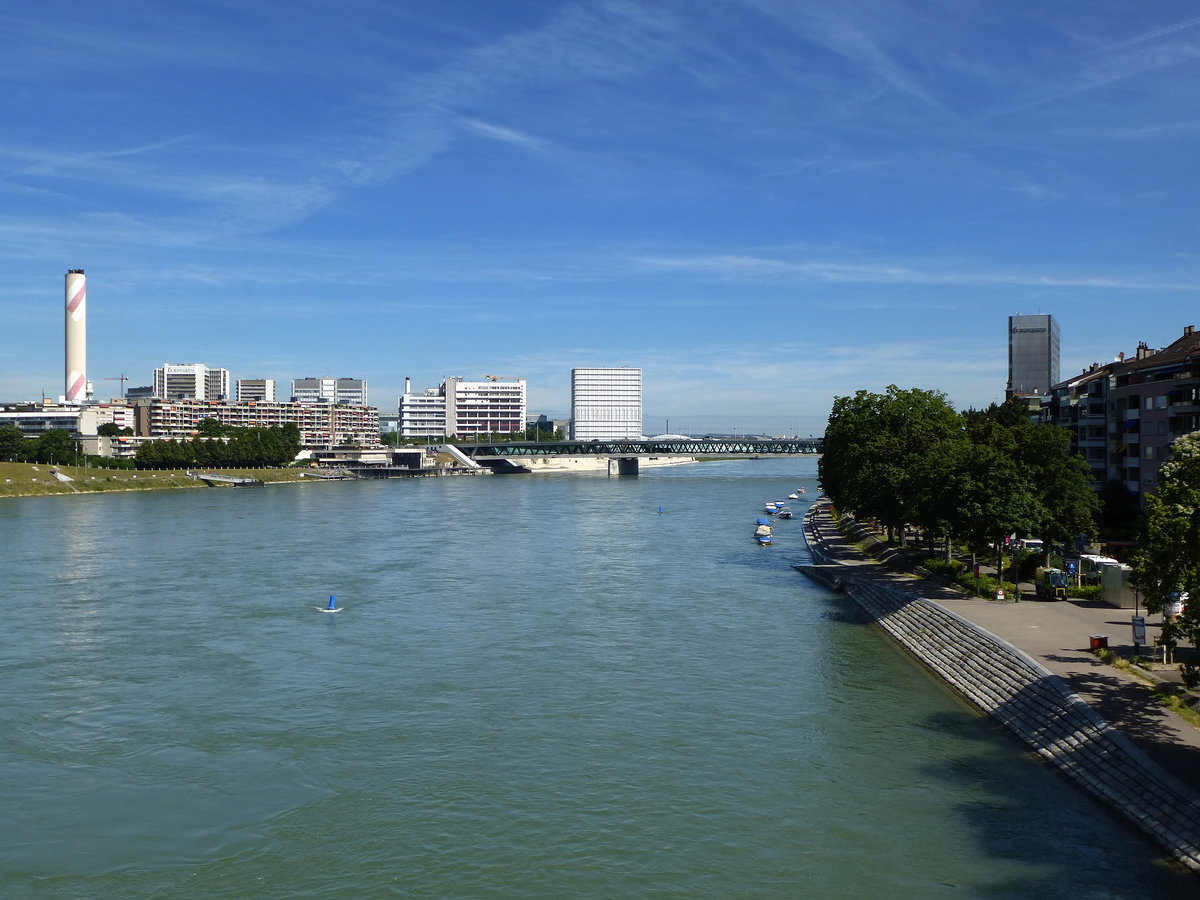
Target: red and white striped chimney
[(76, 337)]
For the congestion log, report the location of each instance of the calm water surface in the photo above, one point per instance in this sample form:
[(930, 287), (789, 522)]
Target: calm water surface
[(538, 687)]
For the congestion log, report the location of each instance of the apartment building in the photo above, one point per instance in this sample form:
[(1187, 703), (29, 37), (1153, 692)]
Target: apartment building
[(321, 425), (1125, 415), (1153, 398)]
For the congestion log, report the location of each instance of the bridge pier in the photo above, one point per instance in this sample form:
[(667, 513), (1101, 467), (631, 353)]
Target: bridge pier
[(626, 465)]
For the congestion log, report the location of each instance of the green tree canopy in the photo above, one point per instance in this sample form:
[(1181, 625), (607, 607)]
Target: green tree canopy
[(882, 453), (1168, 558), (14, 446), (905, 457), (55, 446)]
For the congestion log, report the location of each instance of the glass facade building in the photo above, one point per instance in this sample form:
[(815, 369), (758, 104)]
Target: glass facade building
[(606, 404)]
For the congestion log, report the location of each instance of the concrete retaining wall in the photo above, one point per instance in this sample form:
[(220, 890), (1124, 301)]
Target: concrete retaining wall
[(1033, 703)]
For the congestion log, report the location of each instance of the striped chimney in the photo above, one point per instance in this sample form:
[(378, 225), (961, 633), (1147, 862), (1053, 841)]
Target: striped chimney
[(76, 335)]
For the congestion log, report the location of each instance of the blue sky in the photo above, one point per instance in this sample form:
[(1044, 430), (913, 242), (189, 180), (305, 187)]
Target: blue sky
[(762, 204)]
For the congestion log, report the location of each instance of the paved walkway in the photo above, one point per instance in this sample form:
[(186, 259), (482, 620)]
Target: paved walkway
[(1057, 635)]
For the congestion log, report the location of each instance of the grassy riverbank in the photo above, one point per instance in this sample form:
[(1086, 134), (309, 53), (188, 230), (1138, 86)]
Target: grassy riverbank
[(37, 480)]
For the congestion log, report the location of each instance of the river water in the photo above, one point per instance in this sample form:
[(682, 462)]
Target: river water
[(538, 686)]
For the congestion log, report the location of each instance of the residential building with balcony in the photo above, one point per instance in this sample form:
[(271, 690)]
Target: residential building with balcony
[(1153, 399), (1080, 404), (321, 425), (1125, 415)]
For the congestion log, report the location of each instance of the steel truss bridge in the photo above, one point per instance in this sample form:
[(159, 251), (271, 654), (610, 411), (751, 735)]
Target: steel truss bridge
[(635, 449)]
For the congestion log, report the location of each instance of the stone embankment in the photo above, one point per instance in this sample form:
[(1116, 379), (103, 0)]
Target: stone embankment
[(1033, 703)]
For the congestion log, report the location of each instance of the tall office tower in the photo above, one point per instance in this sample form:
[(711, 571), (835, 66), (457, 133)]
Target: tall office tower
[(606, 404), (1032, 355), (194, 381), (352, 391), (77, 387), (257, 389)]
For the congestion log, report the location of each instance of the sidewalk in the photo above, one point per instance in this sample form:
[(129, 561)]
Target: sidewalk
[(1057, 635)]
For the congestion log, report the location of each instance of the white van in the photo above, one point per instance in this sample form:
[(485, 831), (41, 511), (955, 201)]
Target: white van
[(1033, 546)]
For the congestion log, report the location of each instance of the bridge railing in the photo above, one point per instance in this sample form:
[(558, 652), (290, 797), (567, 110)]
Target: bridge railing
[(694, 447)]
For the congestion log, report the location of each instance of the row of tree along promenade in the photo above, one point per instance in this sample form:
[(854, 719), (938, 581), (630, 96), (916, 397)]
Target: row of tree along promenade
[(968, 481)]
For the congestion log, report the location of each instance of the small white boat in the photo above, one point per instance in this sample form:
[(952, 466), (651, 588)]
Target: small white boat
[(793, 496), (785, 513)]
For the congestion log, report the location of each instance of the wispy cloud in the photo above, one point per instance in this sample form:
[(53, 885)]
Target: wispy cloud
[(759, 268), (504, 135)]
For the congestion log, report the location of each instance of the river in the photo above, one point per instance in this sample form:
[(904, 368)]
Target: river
[(538, 686)]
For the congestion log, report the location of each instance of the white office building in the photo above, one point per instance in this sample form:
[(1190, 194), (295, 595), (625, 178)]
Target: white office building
[(422, 415), (491, 406), (257, 389), (351, 391), (191, 381), (606, 404), (459, 408)]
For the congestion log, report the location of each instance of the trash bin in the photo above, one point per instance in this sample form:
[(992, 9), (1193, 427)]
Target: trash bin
[(1098, 642)]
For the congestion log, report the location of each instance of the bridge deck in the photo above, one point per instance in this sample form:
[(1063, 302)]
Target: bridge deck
[(693, 447)]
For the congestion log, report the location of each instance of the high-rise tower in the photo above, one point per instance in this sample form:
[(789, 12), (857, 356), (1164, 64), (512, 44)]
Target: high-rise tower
[(77, 388), (606, 403), (1032, 355)]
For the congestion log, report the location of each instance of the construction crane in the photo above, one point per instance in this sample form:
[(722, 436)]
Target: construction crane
[(121, 378)]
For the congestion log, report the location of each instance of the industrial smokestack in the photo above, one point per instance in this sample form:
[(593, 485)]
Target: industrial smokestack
[(76, 337), (408, 385)]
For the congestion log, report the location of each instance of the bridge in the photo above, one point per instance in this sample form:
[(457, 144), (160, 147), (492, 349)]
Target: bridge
[(627, 452)]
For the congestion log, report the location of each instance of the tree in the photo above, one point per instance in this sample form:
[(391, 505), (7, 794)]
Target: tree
[(881, 454), (55, 446), (211, 427), (1060, 480), (290, 442), (13, 444), (1119, 516), (1167, 561)]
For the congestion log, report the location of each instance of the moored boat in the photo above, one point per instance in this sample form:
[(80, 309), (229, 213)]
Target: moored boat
[(762, 530)]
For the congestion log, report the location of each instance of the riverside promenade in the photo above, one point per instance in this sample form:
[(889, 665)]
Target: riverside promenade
[(1029, 665)]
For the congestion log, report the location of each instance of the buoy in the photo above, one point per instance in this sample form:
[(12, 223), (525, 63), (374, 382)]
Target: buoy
[(332, 607)]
